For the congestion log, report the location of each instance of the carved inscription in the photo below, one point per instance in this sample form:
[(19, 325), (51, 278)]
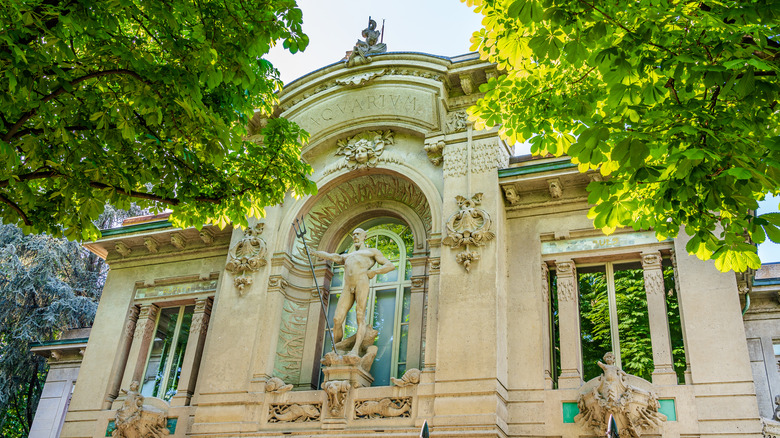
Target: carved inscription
[(289, 348), (349, 106)]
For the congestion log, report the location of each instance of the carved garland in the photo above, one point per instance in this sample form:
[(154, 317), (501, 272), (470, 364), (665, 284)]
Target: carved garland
[(248, 255), (469, 226)]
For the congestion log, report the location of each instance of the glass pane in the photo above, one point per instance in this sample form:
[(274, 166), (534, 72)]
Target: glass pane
[(405, 306), (338, 277), (594, 319), (390, 276), (181, 345), (555, 354), (408, 275), (402, 342), (159, 351), (401, 370), (675, 327), (384, 314), (636, 351), (388, 247)]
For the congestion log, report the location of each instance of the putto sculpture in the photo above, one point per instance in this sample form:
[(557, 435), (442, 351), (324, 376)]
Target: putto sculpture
[(371, 46), (629, 399)]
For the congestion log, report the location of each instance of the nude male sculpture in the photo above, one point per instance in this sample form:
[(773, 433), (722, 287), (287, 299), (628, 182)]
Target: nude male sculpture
[(357, 274)]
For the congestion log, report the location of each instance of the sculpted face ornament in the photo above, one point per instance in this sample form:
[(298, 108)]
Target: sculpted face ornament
[(363, 150), (248, 255)]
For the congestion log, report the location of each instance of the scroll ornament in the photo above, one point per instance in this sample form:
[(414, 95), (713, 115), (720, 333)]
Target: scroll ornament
[(248, 255), (469, 226), (362, 151), (629, 399)]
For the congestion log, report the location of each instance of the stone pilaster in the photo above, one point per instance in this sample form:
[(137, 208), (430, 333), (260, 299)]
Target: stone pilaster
[(663, 374), (191, 362), (126, 342), (548, 339), (142, 339), (569, 324)]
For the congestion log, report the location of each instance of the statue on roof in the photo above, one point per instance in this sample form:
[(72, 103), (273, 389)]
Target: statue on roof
[(371, 46)]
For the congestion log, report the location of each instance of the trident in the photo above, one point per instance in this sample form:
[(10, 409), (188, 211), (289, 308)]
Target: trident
[(299, 226)]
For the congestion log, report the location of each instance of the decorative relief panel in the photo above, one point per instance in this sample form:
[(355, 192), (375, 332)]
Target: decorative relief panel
[(247, 255), (469, 226), (384, 408), (294, 413), (456, 121), (567, 278), (364, 189), (486, 155), (654, 276), (289, 347)]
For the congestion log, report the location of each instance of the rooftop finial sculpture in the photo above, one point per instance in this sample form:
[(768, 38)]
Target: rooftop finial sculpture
[(371, 46)]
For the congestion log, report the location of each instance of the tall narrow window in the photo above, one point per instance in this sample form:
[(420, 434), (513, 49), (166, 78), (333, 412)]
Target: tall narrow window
[(163, 366), (614, 317), (388, 300)]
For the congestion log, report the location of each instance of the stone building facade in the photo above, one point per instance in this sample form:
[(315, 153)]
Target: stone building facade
[(481, 330)]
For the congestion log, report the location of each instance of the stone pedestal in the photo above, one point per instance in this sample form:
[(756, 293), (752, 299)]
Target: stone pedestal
[(356, 376)]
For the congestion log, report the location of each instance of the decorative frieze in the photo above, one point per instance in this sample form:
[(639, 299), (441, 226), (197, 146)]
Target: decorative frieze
[(486, 155), (384, 408), (469, 226), (362, 190), (247, 255), (294, 412)]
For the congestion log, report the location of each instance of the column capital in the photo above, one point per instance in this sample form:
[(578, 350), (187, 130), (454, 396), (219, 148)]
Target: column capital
[(651, 260)]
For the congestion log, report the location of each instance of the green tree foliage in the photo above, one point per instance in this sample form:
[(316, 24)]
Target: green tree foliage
[(675, 103), (113, 101), (47, 285)]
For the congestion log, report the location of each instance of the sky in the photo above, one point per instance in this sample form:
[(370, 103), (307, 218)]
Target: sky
[(438, 27)]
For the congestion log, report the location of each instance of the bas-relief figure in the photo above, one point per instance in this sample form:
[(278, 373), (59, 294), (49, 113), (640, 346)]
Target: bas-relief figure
[(136, 420), (294, 413), (371, 46), (357, 275), (630, 400), (384, 408)]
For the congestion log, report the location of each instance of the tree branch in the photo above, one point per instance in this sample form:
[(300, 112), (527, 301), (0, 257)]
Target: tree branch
[(16, 208), (29, 114)]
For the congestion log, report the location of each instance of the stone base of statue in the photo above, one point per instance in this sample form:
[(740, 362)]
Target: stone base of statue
[(345, 365)]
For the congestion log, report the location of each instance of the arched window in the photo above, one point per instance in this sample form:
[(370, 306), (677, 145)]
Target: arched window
[(389, 299)]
